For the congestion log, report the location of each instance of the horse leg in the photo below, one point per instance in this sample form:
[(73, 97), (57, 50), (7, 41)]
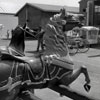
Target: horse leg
[(68, 79), (77, 72)]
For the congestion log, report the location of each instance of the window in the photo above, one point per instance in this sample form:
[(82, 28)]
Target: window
[(97, 8), (92, 34)]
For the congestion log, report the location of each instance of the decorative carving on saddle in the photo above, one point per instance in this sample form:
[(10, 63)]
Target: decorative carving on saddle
[(57, 67)]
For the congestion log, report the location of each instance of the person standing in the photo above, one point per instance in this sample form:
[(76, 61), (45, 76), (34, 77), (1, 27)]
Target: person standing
[(40, 38), (7, 34)]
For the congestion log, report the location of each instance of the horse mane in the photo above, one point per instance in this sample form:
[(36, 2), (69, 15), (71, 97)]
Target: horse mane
[(17, 40), (55, 40)]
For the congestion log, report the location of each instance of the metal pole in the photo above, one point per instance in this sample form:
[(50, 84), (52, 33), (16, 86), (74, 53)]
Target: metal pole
[(75, 95)]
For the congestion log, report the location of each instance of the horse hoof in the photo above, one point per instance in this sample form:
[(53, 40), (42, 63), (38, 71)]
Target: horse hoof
[(87, 87)]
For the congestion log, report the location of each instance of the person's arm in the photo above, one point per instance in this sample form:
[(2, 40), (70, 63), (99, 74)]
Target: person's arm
[(40, 34)]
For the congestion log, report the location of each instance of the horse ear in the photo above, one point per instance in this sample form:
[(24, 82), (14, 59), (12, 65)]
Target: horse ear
[(63, 12)]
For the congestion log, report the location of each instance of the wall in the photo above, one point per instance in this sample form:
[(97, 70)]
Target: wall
[(33, 15), (22, 17), (83, 6), (36, 17)]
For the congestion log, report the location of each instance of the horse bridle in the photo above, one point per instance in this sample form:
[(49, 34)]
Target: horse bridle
[(27, 31)]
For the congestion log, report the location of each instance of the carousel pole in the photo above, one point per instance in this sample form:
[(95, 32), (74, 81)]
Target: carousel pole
[(74, 95)]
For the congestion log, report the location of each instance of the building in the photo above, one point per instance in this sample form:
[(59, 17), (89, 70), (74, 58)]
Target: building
[(91, 9), (8, 22), (96, 13), (83, 6), (38, 14)]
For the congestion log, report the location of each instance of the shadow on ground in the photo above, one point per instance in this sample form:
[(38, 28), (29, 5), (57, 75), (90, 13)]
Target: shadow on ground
[(95, 46)]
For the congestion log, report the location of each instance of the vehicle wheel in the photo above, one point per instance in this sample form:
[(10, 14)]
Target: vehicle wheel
[(83, 46), (73, 48)]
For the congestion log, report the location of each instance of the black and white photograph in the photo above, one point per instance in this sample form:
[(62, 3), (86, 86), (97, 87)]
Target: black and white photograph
[(49, 49)]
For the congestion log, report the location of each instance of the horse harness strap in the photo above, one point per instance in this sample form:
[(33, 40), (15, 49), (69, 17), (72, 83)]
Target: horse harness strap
[(28, 61), (60, 64), (28, 32), (15, 52), (56, 67), (58, 61), (52, 67)]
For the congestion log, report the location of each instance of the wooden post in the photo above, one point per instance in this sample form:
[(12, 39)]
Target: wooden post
[(71, 93)]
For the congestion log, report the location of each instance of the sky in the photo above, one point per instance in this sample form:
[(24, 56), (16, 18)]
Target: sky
[(14, 5)]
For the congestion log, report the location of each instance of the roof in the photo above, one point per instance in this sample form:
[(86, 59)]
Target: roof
[(89, 28), (50, 8), (11, 14), (10, 9)]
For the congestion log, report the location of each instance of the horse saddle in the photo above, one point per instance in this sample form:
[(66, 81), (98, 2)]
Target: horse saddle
[(33, 66), (37, 65), (33, 62)]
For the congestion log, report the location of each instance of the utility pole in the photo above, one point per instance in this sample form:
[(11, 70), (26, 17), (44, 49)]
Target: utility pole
[(90, 13)]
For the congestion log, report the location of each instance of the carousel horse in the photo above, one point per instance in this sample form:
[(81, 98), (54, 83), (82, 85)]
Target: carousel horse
[(10, 66), (10, 72), (17, 45), (54, 67)]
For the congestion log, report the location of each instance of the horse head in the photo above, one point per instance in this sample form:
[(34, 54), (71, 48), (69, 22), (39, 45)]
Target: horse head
[(54, 37), (17, 42), (59, 20)]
